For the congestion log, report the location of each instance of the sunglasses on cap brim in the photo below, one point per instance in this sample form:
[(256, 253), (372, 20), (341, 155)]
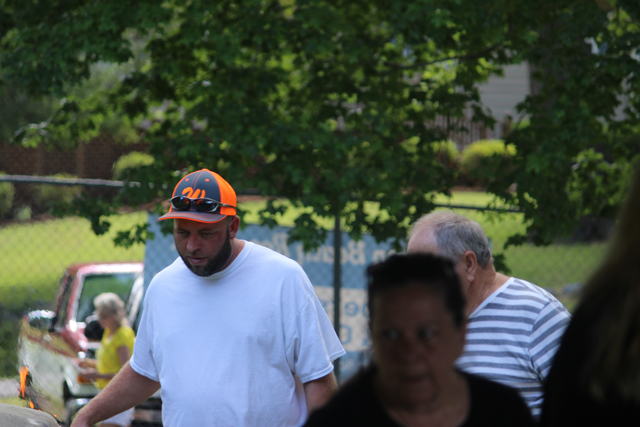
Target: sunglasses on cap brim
[(203, 205)]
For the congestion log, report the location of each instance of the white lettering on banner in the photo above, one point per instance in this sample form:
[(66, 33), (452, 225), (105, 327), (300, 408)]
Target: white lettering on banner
[(381, 254), (322, 254), (277, 243), (280, 243), (353, 254), (299, 254), (327, 254), (315, 256), (354, 329)]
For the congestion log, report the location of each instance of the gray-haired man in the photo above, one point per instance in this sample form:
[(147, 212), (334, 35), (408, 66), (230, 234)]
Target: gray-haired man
[(515, 327)]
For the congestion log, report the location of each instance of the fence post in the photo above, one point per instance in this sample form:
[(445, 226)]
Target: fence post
[(337, 284)]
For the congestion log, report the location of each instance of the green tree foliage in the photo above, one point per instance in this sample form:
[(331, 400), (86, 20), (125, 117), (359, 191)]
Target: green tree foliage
[(586, 62), (601, 181), (447, 153), (18, 110), (325, 102)]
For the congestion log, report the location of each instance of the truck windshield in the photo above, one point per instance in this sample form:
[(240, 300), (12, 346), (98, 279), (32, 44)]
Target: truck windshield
[(95, 284)]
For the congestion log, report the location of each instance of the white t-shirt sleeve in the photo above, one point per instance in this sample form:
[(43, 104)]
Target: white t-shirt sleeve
[(312, 343), (142, 359)]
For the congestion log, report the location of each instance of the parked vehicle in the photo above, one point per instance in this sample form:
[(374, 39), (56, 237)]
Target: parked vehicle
[(50, 340)]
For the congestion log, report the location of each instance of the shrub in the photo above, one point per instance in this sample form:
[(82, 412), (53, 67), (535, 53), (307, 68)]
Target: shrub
[(132, 160), (472, 155), (447, 153), (7, 191), (476, 165), (23, 213), (598, 186), (47, 197)]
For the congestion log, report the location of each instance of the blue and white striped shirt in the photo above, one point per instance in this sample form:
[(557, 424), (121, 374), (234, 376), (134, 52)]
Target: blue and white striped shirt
[(513, 336)]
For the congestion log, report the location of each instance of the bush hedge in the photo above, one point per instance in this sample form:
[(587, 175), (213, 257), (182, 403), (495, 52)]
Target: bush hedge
[(47, 197), (476, 165), (132, 160)]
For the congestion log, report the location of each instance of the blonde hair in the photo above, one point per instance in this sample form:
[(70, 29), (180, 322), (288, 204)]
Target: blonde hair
[(111, 304), (615, 290)]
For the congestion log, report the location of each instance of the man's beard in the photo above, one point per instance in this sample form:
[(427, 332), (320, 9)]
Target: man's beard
[(215, 264)]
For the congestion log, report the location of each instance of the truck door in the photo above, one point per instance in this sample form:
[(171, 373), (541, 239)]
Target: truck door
[(47, 361)]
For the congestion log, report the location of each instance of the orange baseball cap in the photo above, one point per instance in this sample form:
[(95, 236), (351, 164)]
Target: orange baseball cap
[(202, 196)]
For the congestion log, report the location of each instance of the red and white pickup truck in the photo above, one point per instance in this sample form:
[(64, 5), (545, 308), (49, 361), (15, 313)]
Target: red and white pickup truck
[(50, 340)]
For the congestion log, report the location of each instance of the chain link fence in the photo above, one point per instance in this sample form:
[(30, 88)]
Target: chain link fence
[(37, 248)]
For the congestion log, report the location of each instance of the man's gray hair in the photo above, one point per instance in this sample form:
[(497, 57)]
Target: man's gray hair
[(455, 235)]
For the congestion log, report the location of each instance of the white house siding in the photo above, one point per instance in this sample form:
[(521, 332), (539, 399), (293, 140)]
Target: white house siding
[(502, 94)]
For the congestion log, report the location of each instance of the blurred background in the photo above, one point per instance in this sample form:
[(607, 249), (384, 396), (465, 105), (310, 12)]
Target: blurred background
[(38, 244), (338, 123)]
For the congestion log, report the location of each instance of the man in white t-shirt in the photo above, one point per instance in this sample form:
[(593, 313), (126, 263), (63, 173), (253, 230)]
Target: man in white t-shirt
[(514, 327), (232, 331)]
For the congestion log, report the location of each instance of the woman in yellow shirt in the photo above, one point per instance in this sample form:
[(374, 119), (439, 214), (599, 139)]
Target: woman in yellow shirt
[(115, 350)]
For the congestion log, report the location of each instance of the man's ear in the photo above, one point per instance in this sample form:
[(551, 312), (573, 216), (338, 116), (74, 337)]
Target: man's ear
[(234, 225), (470, 265)]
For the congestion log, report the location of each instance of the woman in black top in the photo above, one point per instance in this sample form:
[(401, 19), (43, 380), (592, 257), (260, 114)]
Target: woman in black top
[(417, 324)]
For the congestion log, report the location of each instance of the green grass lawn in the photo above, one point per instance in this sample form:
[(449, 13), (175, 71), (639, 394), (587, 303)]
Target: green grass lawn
[(36, 253)]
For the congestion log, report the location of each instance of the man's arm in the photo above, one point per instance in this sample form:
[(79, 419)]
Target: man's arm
[(127, 389), (546, 333), (319, 391)]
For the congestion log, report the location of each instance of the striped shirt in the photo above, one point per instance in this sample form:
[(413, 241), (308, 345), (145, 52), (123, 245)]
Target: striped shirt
[(513, 336)]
